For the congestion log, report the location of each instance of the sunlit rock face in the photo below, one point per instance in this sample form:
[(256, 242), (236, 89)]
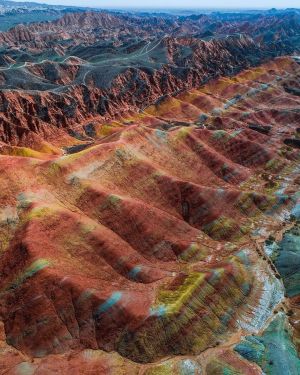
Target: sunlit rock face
[(159, 241)]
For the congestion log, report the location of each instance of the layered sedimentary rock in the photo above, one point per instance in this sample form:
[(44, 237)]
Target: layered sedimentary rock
[(105, 234), (87, 67), (150, 196), (146, 244)]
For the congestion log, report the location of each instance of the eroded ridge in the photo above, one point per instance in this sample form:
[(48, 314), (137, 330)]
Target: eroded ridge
[(148, 244)]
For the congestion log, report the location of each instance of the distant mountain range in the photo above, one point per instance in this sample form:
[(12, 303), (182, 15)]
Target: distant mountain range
[(18, 6), (13, 13)]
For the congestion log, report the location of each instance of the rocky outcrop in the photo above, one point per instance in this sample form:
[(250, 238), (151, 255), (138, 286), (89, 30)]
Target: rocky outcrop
[(145, 241), (86, 65), (97, 262), (67, 95)]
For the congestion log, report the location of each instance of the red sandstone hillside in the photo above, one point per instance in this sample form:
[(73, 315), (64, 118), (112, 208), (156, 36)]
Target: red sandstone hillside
[(110, 255), (150, 195), (60, 76)]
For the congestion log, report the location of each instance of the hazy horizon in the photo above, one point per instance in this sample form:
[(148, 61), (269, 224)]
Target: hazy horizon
[(189, 4)]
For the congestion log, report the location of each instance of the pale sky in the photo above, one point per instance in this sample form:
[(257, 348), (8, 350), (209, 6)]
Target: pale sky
[(253, 4)]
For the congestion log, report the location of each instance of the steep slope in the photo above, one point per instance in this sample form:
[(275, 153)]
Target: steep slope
[(74, 234), (149, 206), (86, 97), (145, 245), (86, 66)]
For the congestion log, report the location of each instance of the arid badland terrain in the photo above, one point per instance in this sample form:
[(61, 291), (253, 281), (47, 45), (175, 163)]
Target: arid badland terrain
[(150, 204)]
